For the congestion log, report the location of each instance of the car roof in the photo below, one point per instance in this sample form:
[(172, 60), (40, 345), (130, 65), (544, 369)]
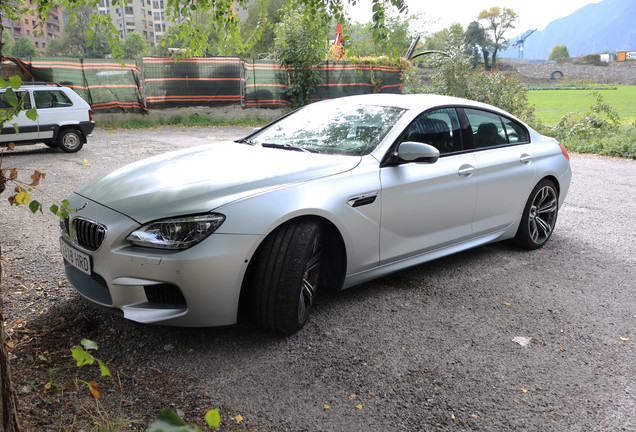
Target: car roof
[(418, 102)]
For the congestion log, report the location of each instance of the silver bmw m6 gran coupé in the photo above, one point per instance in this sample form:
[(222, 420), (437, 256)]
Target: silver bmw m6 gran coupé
[(332, 195)]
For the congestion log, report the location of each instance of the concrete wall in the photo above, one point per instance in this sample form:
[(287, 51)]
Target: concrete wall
[(618, 73)]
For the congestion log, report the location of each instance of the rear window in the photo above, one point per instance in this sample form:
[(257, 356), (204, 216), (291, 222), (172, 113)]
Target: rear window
[(4, 103)]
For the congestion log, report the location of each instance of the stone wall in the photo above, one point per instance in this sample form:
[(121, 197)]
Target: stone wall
[(618, 73)]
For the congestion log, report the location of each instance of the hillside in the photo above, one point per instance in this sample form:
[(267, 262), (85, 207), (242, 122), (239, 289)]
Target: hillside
[(606, 26)]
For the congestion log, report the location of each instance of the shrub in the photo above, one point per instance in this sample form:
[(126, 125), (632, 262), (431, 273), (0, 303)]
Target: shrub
[(621, 142), (599, 120), (504, 90)]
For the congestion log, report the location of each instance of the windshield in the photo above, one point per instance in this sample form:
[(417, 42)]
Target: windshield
[(332, 129)]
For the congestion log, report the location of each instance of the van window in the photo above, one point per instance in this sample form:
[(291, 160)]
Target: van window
[(51, 99)]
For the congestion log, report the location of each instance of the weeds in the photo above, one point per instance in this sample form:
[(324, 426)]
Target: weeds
[(191, 120)]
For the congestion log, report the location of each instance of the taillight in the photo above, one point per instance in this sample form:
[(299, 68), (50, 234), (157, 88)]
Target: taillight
[(565, 153), (90, 115)]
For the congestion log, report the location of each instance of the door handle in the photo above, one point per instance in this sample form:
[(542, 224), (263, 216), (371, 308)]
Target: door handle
[(525, 158), (466, 170)]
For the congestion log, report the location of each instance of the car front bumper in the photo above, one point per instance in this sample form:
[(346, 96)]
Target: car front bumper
[(199, 286)]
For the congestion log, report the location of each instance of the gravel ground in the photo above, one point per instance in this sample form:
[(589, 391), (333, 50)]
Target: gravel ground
[(429, 348)]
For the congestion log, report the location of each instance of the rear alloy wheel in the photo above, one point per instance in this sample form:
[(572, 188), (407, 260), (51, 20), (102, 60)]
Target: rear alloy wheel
[(287, 276), (70, 140), (539, 216)]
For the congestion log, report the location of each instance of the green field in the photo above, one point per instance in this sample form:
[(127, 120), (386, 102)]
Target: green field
[(551, 105)]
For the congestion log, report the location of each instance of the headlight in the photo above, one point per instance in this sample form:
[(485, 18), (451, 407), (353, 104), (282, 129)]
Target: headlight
[(177, 233)]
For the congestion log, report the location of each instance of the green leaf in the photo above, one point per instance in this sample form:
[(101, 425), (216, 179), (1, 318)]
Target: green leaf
[(15, 82), (32, 114), (3, 83), (168, 421), (81, 356), (213, 418), (11, 97), (89, 344), (103, 368), (54, 209), (34, 206)]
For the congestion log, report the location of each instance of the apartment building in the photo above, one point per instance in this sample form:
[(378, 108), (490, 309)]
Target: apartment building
[(30, 26), (148, 17)]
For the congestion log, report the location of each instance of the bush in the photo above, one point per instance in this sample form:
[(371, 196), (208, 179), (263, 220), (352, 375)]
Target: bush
[(504, 90), (601, 119), (591, 59), (621, 143)]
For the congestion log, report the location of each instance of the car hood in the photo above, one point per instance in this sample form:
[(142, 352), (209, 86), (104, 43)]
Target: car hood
[(203, 178)]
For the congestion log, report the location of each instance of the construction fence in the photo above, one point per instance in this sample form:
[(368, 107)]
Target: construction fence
[(162, 82)]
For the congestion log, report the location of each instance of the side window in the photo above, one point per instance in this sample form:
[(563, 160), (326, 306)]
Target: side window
[(439, 128), (4, 103), (488, 130), (51, 99), (516, 132)]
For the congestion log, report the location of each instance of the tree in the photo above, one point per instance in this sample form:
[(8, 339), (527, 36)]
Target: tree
[(300, 48), (7, 43), (476, 41), (24, 48), (135, 46), (498, 22), (402, 30), (263, 15), (559, 52), (81, 38)]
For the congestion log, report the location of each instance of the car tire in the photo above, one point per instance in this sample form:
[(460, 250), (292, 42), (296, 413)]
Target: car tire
[(287, 275), (70, 140), (539, 216)]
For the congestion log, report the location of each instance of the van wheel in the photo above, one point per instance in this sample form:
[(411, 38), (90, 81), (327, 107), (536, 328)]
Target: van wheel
[(70, 141)]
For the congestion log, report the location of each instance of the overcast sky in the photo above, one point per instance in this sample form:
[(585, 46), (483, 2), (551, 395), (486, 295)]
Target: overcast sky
[(533, 14)]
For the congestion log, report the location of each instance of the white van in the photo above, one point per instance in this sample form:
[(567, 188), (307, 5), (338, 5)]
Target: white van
[(63, 120)]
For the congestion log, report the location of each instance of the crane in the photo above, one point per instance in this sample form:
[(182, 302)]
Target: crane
[(521, 40)]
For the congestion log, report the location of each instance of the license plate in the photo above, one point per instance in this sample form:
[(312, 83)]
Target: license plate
[(77, 259)]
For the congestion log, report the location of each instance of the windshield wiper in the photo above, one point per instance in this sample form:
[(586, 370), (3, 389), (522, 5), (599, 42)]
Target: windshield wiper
[(245, 141), (286, 147)]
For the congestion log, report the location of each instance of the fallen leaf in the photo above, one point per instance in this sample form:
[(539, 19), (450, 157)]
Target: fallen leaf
[(507, 304), (359, 406), (92, 386), (325, 406), (624, 339), (474, 416), (238, 418), (353, 396), (524, 390)]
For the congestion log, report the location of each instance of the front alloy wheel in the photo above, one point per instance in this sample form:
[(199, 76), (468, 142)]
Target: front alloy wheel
[(539, 216), (286, 276)]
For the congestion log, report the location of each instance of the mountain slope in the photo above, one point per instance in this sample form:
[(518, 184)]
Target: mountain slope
[(595, 28)]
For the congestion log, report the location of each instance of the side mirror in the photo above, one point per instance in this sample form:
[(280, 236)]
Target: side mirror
[(411, 151)]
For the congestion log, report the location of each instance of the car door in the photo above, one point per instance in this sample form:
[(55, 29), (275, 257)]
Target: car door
[(428, 205), (53, 109), (505, 169), (27, 129)]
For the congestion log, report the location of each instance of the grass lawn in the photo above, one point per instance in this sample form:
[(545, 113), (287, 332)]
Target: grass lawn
[(551, 105)]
